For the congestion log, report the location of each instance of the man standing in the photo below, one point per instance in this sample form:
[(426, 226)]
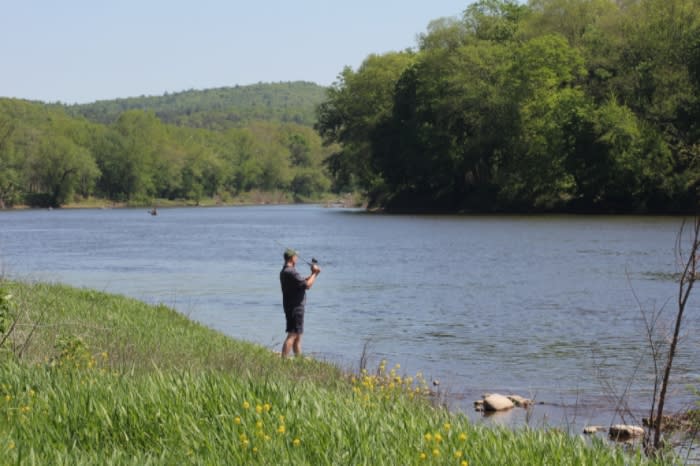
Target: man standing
[(293, 300)]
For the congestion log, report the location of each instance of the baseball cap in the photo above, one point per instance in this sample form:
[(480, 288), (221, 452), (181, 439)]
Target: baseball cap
[(289, 253)]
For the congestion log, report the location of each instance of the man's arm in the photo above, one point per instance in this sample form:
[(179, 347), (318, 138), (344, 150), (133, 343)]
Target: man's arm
[(315, 270)]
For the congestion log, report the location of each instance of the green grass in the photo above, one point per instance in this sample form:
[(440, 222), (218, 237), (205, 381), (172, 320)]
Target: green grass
[(92, 378)]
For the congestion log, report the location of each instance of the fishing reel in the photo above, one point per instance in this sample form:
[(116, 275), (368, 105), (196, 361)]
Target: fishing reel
[(313, 264)]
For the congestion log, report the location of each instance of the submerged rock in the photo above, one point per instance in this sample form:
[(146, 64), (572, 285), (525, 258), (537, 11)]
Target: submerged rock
[(625, 432), (520, 401), (589, 430)]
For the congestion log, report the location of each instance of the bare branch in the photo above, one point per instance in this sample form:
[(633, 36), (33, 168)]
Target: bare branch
[(689, 274)]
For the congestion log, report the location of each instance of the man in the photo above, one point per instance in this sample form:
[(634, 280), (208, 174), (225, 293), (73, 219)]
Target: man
[(293, 300)]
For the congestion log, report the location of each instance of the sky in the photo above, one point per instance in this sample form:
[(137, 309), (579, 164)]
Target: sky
[(80, 51)]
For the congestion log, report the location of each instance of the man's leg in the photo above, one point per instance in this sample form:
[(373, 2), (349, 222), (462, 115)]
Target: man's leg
[(288, 344), (297, 345)]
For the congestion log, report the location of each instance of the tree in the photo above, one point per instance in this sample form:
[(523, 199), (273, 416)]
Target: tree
[(59, 167), (299, 150), (356, 104), (9, 175), (543, 80), (127, 156), (494, 20), (451, 119), (572, 19)]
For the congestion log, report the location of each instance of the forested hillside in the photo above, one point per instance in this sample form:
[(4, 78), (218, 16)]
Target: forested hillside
[(220, 108), (553, 105), (51, 155)]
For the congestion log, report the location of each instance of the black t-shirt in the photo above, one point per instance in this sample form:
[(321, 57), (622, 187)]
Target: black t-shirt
[(293, 289)]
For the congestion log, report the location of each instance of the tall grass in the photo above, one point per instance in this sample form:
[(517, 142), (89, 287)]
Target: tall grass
[(109, 380)]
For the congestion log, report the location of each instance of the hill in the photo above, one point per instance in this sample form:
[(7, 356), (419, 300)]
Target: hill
[(218, 108)]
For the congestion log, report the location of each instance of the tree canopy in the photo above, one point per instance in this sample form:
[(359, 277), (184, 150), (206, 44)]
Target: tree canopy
[(553, 105), (52, 154)]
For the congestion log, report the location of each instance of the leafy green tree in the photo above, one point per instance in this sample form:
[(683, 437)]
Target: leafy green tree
[(59, 167), (444, 34), (127, 157), (494, 20), (299, 150), (239, 156), (449, 124), (9, 174), (356, 104), (309, 182), (543, 80), (572, 19)]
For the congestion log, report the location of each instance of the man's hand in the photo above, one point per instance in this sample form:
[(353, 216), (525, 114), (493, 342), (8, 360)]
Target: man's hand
[(315, 269)]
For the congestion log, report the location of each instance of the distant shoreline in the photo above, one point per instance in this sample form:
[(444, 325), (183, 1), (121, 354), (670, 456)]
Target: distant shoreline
[(247, 199)]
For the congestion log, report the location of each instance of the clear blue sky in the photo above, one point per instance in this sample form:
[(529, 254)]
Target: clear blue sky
[(86, 50)]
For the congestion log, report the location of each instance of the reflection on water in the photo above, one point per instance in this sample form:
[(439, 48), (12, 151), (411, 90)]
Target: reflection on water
[(544, 306)]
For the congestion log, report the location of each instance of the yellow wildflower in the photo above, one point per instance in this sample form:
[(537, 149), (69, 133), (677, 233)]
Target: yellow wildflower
[(259, 424), (458, 454), (267, 407), (447, 426), (281, 429), (246, 405), (463, 436), (237, 420), (11, 445), (258, 409), (436, 452), (428, 437), (464, 463), (296, 442), (437, 437)]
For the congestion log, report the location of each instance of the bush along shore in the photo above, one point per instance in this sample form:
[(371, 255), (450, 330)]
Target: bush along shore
[(92, 378)]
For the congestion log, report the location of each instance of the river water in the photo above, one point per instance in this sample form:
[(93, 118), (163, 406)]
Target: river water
[(548, 307)]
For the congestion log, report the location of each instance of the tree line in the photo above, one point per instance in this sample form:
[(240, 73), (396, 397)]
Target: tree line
[(553, 105), (51, 155), (217, 109)]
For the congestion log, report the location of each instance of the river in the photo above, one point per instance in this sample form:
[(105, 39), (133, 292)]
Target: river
[(548, 307)]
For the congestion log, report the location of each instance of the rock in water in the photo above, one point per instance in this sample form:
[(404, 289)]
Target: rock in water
[(496, 402)]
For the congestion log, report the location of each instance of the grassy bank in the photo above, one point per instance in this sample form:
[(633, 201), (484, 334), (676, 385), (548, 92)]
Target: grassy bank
[(92, 378)]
